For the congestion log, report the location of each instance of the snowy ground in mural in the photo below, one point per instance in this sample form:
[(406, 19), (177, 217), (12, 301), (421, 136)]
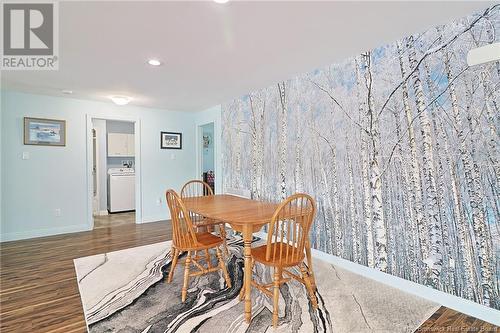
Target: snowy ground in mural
[(125, 291)]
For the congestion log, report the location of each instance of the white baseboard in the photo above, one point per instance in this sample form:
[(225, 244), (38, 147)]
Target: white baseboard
[(101, 213), (12, 236), (456, 303)]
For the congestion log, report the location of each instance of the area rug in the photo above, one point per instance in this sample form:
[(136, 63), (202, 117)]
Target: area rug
[(126, 291)]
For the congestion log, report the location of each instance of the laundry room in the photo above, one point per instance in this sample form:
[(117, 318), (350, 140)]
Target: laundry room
[(113, 169)]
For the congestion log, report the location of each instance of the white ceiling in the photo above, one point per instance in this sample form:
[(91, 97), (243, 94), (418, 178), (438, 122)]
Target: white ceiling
[(211, 52)]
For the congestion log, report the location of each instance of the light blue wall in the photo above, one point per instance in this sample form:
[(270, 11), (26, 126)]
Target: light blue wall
[(55, 177), (208, 153)]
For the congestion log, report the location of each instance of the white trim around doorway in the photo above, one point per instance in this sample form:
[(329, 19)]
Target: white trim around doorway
[(138, 169), (199, 157)]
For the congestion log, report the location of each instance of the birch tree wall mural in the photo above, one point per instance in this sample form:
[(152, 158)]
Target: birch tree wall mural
[(399, 147)]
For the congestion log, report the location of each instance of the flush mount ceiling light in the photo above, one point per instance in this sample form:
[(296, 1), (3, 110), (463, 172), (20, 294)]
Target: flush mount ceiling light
[(154, 62), (120, 100), (483, 54), (67, 92), (221, 1)]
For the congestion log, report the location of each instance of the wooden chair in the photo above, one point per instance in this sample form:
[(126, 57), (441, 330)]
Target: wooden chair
[(198, 188), (185, 239), (287, 240)]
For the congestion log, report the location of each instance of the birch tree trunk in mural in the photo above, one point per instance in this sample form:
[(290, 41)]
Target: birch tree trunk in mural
[(463, 230), (353, 215), (257, 108), (375, 179), (448, 256), (472, 180), (299, 173), (255, 143), (491, 106), (283, 138), (434, 261), (326, 197), (364, 169), (408, 216), (333, 184), (238, 175), (414, 164)]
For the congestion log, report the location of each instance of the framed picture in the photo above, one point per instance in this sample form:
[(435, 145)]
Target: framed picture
[(44, 132), (207, 139), (171, 140)]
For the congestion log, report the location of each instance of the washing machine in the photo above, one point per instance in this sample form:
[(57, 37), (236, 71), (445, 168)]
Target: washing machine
[(121, 190)]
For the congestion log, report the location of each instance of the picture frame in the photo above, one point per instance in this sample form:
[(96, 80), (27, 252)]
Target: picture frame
[(170, 140), (207, 140), (44, 132)]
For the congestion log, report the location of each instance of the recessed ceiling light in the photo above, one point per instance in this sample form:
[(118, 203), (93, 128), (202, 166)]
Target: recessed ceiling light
[(67, 92), (154, 62), (221, 1), (120, 100)]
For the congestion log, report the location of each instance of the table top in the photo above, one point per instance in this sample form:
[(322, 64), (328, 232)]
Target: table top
[(232, 209)]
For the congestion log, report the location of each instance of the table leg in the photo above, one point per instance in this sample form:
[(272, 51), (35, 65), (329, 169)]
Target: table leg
[(310, 264), (247, 277)]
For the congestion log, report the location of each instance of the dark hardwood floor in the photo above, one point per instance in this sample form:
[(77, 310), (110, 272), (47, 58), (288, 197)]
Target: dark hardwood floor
[(39, 293), (448, 320), (38, 289)]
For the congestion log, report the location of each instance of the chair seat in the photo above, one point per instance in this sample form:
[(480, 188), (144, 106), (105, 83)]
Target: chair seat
[(206, 240), (259, 254)]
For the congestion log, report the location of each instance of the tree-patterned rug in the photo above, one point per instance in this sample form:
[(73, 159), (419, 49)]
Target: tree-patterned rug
[(126, 291)]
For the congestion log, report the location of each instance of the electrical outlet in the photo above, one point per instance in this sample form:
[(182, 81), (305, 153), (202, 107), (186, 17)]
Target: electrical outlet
[(26, 155), (172, 156), (158, 201), (57, 212)]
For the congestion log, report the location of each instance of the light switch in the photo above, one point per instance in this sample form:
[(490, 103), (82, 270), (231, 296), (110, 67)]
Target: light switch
[(26, 155)]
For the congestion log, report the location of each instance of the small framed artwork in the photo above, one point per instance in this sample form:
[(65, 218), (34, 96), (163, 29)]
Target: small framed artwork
[(44, 132), (171, 140)]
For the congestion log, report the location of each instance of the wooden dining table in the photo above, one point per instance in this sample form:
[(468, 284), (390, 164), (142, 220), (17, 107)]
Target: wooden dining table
[(246, 216)]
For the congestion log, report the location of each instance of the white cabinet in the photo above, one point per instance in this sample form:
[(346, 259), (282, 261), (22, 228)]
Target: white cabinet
[(121, 144)]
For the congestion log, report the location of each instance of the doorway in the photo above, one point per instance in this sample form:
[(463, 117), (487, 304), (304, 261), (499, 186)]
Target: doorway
[(207, 145), (115, 186)]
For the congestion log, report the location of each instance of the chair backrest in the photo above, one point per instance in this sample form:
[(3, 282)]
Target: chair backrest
[(290, 225), (196, 188), (184, 235)]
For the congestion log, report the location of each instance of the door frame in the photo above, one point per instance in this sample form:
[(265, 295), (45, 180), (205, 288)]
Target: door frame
[(137, 158), (199, 152), (97, 174)]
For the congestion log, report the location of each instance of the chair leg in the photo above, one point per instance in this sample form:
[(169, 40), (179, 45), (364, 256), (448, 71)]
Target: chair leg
[(222, 231), (222, 265), (277, 278), (309, 264), (309, 286), (186, 276), (175, 257), (207, 258), (242, 293)]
